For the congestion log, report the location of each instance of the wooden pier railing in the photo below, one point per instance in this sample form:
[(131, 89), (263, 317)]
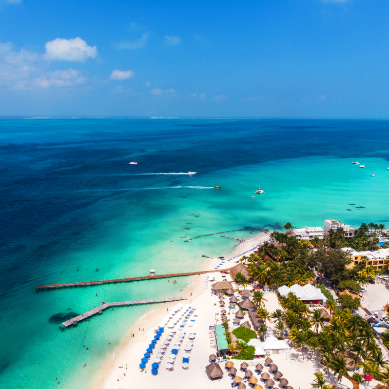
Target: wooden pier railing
[(99, 310), (118, 280)]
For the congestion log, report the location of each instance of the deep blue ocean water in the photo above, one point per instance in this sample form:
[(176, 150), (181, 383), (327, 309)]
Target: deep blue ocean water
[(73, 209)]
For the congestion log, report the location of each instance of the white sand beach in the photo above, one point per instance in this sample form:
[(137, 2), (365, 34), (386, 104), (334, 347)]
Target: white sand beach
[(123, 371)]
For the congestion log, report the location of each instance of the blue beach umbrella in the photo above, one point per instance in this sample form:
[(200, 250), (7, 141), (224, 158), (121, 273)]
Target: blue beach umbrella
[(142, 365), (144, 360), (154, 341), (149, 350), (174, 351), (157, 337), (147, 355), (155, 365), (154, 371), (185, 360), (151, 345)]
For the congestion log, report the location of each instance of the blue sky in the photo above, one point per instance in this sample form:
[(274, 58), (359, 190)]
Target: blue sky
[(262, 58)]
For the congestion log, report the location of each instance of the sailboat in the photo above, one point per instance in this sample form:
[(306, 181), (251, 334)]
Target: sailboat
[(259, 190), (133, 162)]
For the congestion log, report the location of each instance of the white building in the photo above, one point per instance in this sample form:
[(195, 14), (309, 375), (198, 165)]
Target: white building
[(379, 259), (349, 232), (271, 345), (308, 233), (307, 293)]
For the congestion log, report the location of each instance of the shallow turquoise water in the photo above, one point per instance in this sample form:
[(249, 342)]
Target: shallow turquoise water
[(71, 204)]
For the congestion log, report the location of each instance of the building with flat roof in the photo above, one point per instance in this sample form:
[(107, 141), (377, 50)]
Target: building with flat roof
[(308, 294), (379, 259), (308, 233), (335, 225)]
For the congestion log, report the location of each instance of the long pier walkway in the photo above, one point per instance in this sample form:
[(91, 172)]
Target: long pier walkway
[(99, 310), (230, 237), (118, 280)]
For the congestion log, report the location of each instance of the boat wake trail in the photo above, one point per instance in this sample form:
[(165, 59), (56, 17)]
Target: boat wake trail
[(146, 188), (164, 174)]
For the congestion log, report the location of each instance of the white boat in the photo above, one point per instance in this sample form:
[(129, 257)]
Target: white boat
[(259, 190), (355, 163), (133, 163), (191, 173), (373, 175), (361, 165)]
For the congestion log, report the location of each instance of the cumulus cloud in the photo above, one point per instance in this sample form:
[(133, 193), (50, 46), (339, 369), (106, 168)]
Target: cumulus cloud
[(156, 91), (220, 97), (172, 40), (59, 78), (121, 74), (76, 50), (136, 44)]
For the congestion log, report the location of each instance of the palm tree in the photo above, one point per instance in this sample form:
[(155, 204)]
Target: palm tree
[(378, 359), (262, 330), (338, 365), (319, 381), (359, 349), (259, 298), (241, 279), (317, 320), (288, 226), (277, 315), (263, 314), (331, 306), (241, 346)]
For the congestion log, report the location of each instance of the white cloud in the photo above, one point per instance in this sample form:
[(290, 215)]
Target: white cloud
[(220, 97), (137, 44), (147, 84), (121, 74), (199, 95), (69, 50), (58, 78), (170, 92), (172, 40), (156, 91)]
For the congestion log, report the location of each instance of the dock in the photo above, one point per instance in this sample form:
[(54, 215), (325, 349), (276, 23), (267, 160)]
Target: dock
[(230, 237), (99, 310), (119, 280)]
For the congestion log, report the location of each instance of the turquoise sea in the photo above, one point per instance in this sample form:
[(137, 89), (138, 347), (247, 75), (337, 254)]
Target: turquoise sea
[(73, 209)]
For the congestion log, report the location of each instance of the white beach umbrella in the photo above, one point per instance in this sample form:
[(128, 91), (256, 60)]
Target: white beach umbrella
[(169, 366), (172, 356), (157, 360), (160, 355), (185, 365), (186, 355), (171, 360)]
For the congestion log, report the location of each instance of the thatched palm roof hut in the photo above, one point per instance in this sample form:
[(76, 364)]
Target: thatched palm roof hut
[(245, 294), (268, 361), (246, 304), (214, 371), (246, 324), (240, 268), (265, 376), (248, 374), (241, 386), (233, 300), (269, 383), (273, 368), (229, 364), (212, 357), (221, 286), (258, 386), (244, 365), (237, 380), (278, 375), (253, 380), (229, 292), (284, 382), (259, 367), (325, 315), (233, 371), (239, 315)]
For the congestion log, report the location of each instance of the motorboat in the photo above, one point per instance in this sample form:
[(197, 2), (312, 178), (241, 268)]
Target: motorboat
[(217, 187), (133, 163), (362, 166), (373, 175), (355, 163), (191, 173), (259, 190)]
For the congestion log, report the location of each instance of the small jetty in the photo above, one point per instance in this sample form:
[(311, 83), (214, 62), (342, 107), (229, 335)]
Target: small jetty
[(119, 280), (99, 310), (230, 237)]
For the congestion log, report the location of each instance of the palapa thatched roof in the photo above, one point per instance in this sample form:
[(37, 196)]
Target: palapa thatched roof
[(253, 380), (229, 364), (273, 367), (284, 382), (265, 376), (278, 375), (237, 379), (269, 382), (246, 304), (259, 367), (212, 357), (229, 292), (246, 324), (258, 386), (221, 285), (214, 371), (239, 268), (241, 386), (239, 315), (289, 387), (233, 299), (233, 371), (268, 361), (248, 374), (244, 365), (223, 311), (325, 315), (245, 293)]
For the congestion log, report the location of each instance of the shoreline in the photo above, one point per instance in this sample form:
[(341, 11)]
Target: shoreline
[(106, 377)]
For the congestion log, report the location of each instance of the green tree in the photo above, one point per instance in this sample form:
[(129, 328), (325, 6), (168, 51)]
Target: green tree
[(241, 279), (288, 226), (259, 298), (319, 381), (347, 301)]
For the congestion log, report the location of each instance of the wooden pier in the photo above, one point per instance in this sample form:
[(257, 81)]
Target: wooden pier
[(99, 310), (119, 280), (230, 237)]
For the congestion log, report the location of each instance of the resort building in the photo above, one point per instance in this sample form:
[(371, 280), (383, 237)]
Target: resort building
[(222, 286), (271, 345), (240, 268), (308, 233), (335, 225), (379, 259), (308, 294)]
